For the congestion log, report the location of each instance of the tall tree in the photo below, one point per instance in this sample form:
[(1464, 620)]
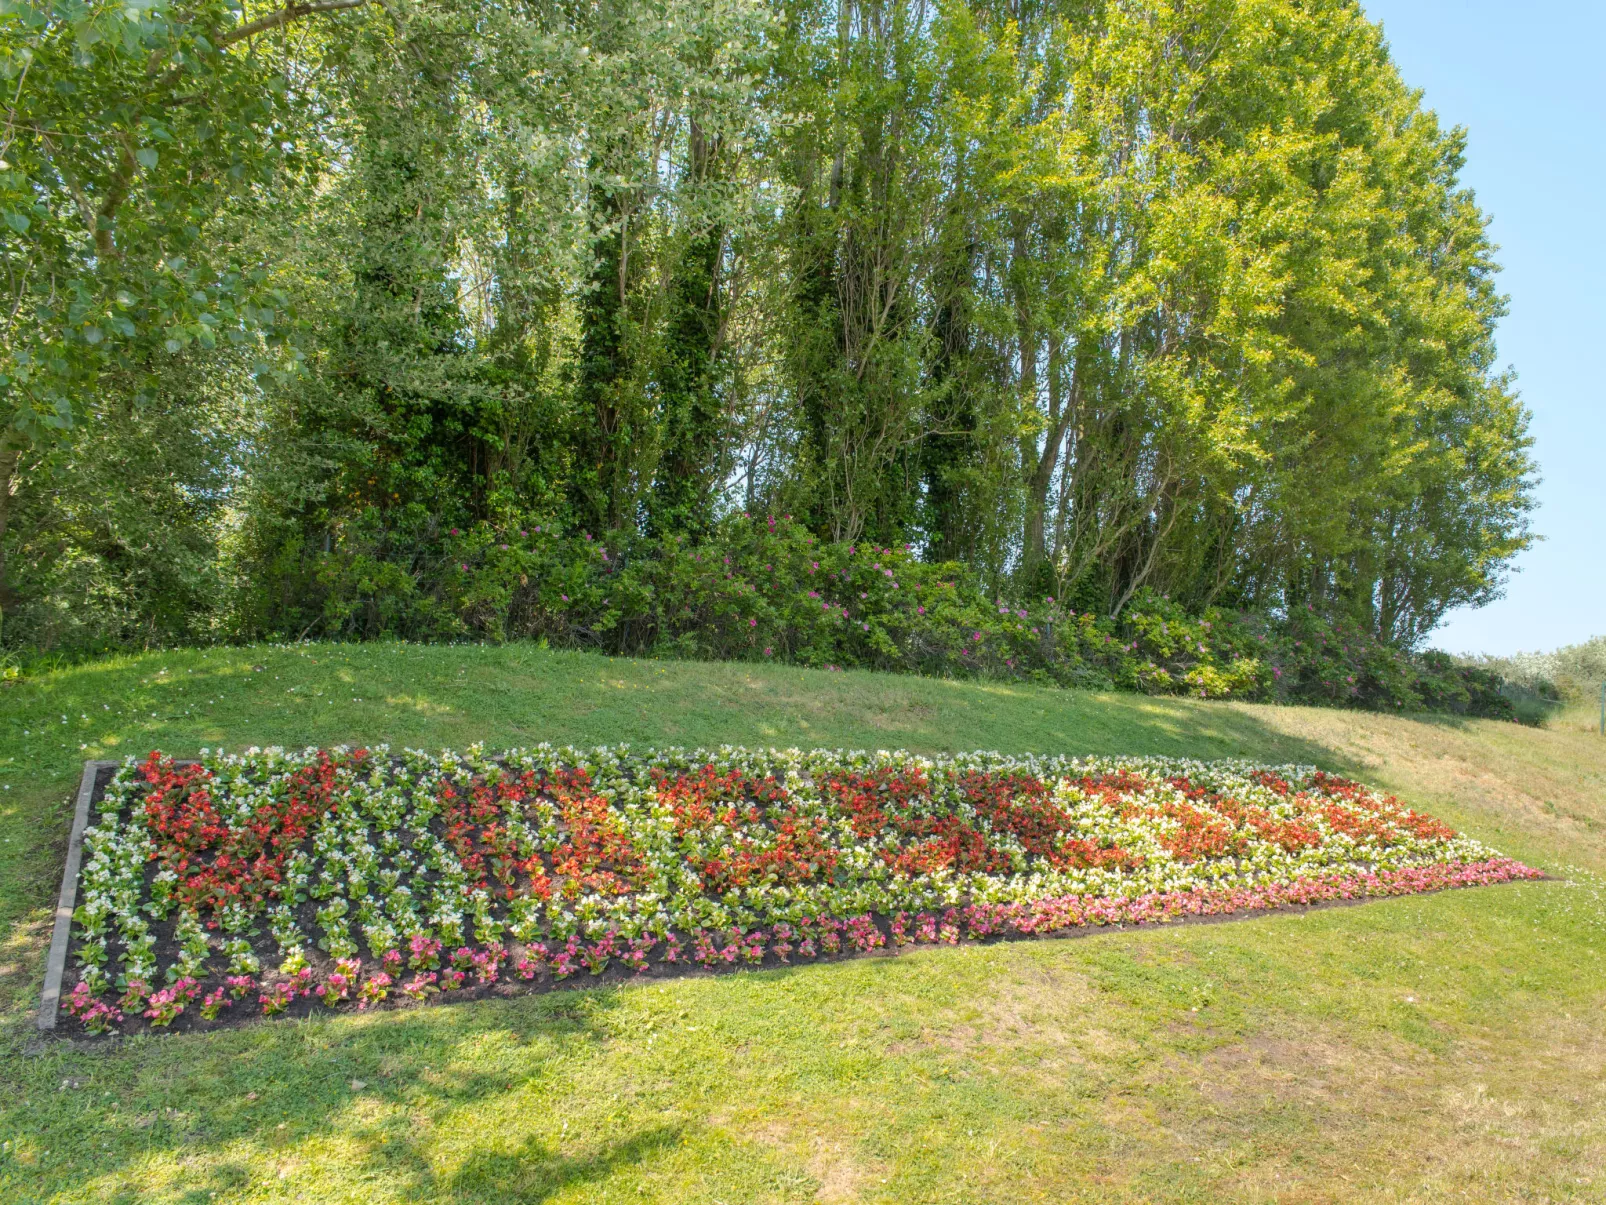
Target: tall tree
[(127, 128)]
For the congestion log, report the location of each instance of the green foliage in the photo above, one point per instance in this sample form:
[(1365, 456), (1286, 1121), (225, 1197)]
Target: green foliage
[(1573, 673), (129, 125), (1172, 314), (771, 591), (117, 532), (130, 128), (1095, 300), (1341, 663)]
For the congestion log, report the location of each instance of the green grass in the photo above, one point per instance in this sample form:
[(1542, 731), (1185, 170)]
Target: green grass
[(1449, 1047)]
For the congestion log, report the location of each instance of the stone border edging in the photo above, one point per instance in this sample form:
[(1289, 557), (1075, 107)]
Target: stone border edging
[(56, 962)]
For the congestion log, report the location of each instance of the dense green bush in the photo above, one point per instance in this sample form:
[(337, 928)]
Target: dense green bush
[(1335, 662), (1573, 673), (114, 544), (769, 590)]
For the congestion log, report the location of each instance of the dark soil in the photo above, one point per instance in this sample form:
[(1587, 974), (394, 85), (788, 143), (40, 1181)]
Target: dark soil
[(247, 1010)]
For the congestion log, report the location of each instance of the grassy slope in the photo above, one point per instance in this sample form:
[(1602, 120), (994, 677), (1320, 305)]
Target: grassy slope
[(1445, 1047)]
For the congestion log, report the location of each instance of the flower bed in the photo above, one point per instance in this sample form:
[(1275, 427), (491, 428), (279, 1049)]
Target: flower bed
[(279, 882)]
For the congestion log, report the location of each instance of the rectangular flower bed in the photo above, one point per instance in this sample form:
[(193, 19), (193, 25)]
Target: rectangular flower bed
[(275, 882)]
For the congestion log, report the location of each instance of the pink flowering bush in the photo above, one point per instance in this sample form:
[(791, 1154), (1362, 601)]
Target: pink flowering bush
[(424, 952), (134, 993), (94, 1014), (340, 983), (169, 1002), (351, 877), (420, 985)]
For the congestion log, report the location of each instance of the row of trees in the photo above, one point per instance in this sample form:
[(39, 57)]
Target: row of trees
[(1096, 296)]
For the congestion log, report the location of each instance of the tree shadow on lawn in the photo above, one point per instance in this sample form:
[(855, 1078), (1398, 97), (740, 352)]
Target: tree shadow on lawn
[(534, 1172), (374, 1085)]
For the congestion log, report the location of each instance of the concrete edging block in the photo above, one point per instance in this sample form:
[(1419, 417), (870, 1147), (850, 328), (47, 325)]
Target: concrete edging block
[(56, 962)]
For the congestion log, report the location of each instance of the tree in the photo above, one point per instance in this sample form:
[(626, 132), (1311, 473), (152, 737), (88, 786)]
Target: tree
[(128, 126), (1099, 297)]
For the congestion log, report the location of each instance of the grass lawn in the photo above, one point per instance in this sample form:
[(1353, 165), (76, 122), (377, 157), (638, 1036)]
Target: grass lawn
[(1448, 1047)]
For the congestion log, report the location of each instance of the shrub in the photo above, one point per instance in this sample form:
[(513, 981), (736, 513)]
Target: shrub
[(1335, 662), (1573, 673), (768, 590)]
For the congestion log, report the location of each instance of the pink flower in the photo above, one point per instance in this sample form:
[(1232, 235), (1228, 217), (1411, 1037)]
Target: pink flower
[(78, 1003), (424, 952), (276, 999), (214, 1004), (420, 985), (374, 989)]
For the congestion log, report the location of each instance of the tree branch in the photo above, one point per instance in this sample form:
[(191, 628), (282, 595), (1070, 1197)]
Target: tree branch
[(274, 20), (287, 14), (122, 181)]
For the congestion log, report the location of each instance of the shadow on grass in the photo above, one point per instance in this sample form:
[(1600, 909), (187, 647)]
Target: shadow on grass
[(531, 1173), (535, 1173), (207, 1095), (522, 694), (378, 1084)]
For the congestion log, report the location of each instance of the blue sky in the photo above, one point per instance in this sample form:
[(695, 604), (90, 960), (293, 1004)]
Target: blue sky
[(1525, 79)]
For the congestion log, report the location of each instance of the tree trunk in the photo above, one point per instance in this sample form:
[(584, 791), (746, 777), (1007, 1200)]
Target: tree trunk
[(690, 417), (947, 453), (1026, 339), (600, 486), (10, 457), (1034, 545)]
